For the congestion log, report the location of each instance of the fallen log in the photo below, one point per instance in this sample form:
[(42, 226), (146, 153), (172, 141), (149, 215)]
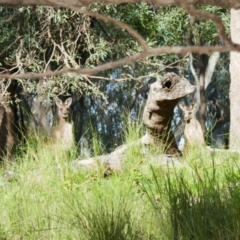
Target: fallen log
[(163, 96)]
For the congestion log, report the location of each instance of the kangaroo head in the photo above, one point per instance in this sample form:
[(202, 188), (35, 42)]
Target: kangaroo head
[(189, 111), (63, 108)]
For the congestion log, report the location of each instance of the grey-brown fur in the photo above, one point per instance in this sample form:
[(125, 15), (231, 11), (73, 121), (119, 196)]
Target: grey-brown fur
[(7, 136), (163, 96), (62, 133), (193, 132)]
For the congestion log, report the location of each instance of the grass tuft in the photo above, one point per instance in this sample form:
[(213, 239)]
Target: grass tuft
[(44, 197)]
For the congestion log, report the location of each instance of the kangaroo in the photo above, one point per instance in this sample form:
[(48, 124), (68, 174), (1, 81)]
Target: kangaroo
[(7, 136), (193, 131), (62, 133)]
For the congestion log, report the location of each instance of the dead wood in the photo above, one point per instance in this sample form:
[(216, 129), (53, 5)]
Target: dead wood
[(115, 160), (158, 113), (163, 96)]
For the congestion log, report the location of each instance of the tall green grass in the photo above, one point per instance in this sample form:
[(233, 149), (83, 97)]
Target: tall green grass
[(200, 200), (44, 197)]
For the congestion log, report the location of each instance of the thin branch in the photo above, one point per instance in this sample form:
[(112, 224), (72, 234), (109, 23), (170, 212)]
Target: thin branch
[(128, 60), (61, 48), (173, 63), (209, 16), (193, 69), (103, 30), (211, 68), (50, 59), (54, 47), (7, 48), (58, 3), (118, 23), (147, 51)]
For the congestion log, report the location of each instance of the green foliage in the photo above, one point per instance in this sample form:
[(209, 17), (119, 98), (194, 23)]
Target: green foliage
[(43, 38), (172, 26), (105, 216), (47, 198), (44, 196)]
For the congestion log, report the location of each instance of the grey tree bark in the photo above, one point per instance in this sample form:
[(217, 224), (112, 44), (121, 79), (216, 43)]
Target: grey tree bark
[(163, 96), (235, 83)]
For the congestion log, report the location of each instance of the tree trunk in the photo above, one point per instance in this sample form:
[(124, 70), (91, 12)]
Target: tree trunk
[(235, 83), (203, 63)]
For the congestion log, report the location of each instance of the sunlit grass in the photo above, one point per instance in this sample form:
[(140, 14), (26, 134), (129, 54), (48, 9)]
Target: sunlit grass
[(44, 197), (199, 200)]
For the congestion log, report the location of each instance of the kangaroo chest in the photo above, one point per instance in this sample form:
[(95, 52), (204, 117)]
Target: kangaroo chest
[(64, 133), (193, 132), (67, 131)]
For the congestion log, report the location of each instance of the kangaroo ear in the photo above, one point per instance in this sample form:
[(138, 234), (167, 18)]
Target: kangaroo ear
[(193, 105), (183, 107), (58, 102), (68, 101)]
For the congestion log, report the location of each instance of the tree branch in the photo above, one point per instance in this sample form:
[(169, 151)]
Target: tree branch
[(147, 51), (128, 60), (209, 16), (59, 3), (118, 23), (211, 68)]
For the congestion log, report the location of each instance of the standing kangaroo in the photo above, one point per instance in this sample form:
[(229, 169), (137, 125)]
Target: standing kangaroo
[(62, 133), (7, 133), (193, 131)]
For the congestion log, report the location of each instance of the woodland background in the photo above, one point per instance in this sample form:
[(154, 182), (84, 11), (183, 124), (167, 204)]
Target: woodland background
[(42, 39), (106, 55)]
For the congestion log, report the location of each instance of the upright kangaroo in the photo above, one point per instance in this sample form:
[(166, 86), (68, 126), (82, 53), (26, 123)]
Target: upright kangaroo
[(62, 133), (193, 131), (7, 134)]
